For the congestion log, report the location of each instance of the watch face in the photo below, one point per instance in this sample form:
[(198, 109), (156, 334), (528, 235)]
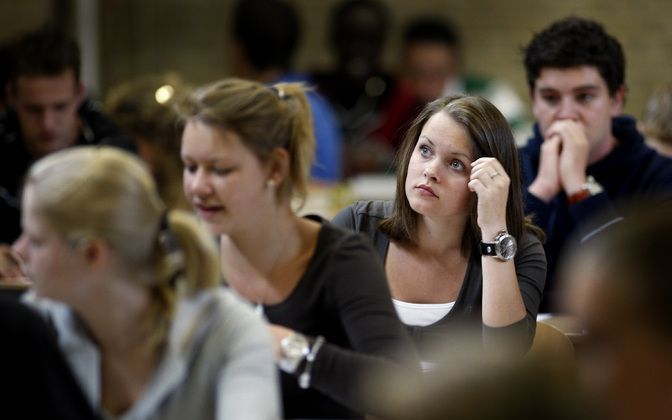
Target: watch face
[(295, 346), (507, 247)]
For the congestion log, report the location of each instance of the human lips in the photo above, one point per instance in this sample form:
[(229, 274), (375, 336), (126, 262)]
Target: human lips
[(208, 211), (426, 190)]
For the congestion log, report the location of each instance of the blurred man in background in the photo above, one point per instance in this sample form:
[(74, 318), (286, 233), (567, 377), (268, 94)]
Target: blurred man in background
[(47, 112)]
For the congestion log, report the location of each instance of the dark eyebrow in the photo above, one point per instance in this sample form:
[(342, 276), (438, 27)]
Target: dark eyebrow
[(586, 87), (428, 139), (578, 88), (453, 152)]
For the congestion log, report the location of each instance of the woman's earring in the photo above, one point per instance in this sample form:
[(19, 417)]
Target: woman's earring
[(270, 183)]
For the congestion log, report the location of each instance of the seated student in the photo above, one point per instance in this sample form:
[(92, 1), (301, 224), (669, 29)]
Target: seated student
[(247, 150), (265, 36), (584, 157), (431, 65), (131, 289), (619, 287), (448, 241), (357, 86), (48, 111)]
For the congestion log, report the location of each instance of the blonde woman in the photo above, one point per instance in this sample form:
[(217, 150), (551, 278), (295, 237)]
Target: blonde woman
[(131, 289), (247, 149)]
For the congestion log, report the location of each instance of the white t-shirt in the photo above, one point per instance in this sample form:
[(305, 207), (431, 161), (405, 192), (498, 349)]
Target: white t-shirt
[(421, 314)]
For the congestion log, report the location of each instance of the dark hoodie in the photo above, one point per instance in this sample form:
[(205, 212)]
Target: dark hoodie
[(631, 171)]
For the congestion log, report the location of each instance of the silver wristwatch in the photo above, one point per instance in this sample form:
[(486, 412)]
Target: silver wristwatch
[(294, 348), (504, 247)]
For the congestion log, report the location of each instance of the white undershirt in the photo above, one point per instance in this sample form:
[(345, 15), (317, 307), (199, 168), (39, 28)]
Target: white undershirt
[(421, 314)]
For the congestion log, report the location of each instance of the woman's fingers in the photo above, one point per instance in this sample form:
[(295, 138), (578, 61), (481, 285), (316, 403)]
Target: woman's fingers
[(490, 172)]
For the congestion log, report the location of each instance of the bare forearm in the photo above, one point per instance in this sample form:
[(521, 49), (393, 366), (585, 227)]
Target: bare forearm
[(502, 302)]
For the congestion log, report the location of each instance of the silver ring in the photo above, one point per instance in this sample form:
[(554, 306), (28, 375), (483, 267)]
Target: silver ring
[(492, 176)]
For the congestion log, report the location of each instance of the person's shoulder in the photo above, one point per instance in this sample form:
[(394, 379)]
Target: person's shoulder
[(655, 169), (335, 239), (217, 315), (363, 215), (373, 208), (529, 239)]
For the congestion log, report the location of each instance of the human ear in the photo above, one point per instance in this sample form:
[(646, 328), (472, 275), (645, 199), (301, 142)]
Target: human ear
[(617, 101), (92, 251), (278, 165)]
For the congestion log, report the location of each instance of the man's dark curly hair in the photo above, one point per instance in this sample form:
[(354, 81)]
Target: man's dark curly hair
[(572, 42)]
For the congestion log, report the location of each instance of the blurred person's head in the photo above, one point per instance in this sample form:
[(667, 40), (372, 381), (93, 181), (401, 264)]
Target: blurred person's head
[(657, 121), (619, 286), (45, 90), (358, 30), (430, 56), (468, 382), (576, 71), (145, 109), (265, 34), (92, 220), (246, 149), (484, 132)]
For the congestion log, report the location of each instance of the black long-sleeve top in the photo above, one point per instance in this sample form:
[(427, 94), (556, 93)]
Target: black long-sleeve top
[(466, 314), (342, 296)]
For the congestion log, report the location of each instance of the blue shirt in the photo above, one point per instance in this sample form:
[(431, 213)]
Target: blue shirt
[(328, 163)]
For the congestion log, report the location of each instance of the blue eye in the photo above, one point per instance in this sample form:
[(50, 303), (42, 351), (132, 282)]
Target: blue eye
[(456, 164), (425, 151)]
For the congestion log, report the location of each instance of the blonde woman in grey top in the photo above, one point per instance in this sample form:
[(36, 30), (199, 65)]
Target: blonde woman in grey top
[(132, 291)]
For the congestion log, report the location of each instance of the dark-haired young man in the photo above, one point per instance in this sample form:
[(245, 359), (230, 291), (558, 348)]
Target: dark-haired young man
[(47, 113), (585, 157)]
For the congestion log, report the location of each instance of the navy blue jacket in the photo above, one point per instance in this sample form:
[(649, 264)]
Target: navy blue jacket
[(631, 171)]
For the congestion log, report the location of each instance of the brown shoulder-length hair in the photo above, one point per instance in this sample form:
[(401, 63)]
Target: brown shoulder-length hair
[(490, 136)]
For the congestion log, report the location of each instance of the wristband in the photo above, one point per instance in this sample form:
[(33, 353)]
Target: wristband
[(590, 188), (304, 378)]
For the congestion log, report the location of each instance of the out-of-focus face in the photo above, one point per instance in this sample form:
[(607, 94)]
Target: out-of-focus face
[(428, 68), (438, 171), (359, 41), (46, 107), (50, 263), (625, 362), (223, 179), (579, 94)]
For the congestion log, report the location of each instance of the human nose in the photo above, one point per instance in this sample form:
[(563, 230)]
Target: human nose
[(567, 109), (430, 171), (19, 247), (49, 119), (198, 183)]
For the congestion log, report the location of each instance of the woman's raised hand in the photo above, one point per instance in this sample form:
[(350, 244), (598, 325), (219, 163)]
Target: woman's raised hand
[(491, 183)]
